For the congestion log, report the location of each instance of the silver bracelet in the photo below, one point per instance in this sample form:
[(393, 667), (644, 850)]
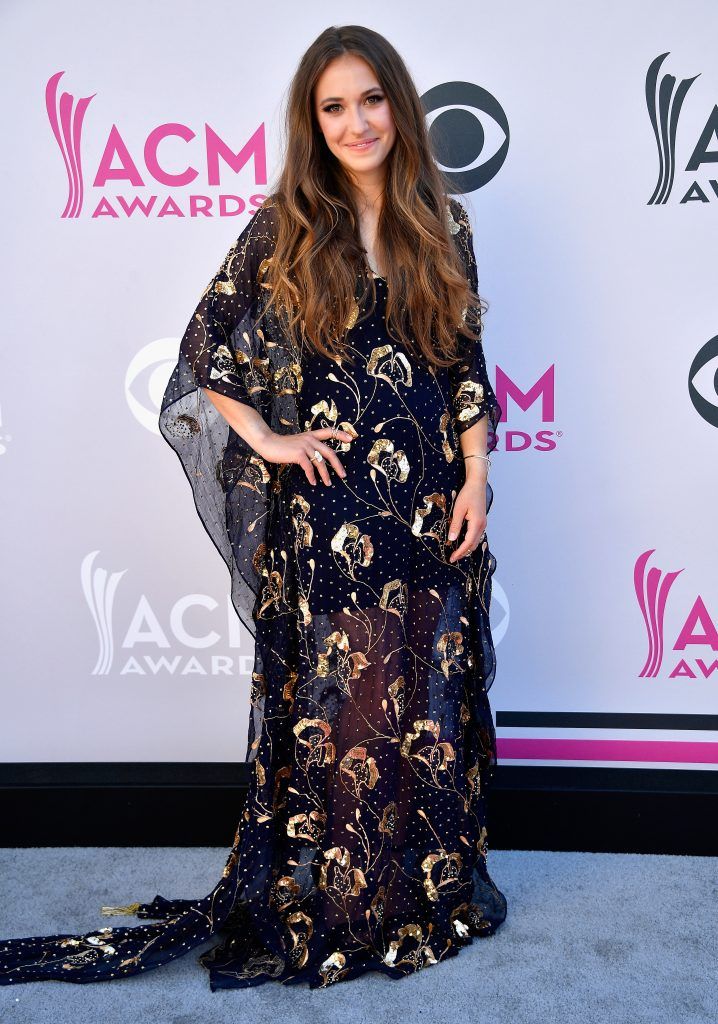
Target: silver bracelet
[(477, 456)]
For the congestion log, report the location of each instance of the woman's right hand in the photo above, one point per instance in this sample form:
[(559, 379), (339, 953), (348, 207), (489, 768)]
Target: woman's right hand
[(299, 449)]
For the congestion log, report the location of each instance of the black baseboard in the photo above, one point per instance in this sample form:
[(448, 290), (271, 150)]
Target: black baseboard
[(618, 810)]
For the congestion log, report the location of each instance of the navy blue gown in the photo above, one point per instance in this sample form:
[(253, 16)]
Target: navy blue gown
[(363, 842)]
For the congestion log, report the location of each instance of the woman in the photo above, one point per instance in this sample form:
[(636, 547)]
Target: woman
[(337, 458)]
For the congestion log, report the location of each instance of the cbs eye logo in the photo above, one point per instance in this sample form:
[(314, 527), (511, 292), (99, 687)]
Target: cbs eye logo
[(469, 148), (146, 379), (705, 401)]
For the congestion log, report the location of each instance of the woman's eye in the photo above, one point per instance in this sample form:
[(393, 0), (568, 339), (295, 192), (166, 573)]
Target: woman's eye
[(333, 106)]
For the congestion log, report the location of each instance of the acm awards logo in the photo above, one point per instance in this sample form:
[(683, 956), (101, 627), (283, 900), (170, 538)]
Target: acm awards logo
[(145, 637), (460, 134), (665, 96), (66, 114), (698, 630)]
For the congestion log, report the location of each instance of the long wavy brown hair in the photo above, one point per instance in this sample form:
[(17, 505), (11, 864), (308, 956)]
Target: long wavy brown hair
[(318, 255)]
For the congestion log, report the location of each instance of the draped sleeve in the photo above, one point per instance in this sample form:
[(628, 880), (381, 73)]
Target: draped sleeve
[(472, 394), (216, 345), (223, 350)]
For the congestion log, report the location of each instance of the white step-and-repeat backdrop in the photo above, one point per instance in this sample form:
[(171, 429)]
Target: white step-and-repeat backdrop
[(585, 141)]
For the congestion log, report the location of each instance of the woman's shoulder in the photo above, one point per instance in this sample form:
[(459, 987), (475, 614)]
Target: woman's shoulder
[(258, 237), (265, 218), (460, 227), (453, 204), (457, 215)]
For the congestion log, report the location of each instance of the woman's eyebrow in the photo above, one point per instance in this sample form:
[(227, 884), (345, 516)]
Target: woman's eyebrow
[(334, 99)]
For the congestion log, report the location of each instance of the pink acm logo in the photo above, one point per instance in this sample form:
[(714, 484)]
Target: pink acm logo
[(698, 629), (542, 394), (66, 114)]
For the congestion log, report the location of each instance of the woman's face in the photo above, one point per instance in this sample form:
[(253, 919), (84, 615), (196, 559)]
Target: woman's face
[(352, 109)]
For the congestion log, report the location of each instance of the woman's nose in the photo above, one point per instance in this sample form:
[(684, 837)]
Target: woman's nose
[(357, 120)]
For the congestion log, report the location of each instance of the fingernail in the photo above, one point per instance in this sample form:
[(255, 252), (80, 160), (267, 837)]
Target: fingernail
[(452, 536)]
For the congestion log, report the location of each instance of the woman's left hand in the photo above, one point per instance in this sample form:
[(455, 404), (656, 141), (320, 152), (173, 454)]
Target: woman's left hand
[(469, 507)]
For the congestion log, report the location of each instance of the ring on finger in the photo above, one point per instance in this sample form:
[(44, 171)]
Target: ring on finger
[(317, 457)]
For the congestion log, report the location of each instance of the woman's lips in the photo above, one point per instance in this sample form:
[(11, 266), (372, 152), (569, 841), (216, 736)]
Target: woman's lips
[(361, 146)]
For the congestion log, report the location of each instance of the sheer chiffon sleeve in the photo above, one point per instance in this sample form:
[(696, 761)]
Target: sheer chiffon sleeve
[(216, 344), (223, 350), (472, 393)]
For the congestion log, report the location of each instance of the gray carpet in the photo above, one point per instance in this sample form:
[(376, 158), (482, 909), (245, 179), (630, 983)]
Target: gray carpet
[(589, 938)]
